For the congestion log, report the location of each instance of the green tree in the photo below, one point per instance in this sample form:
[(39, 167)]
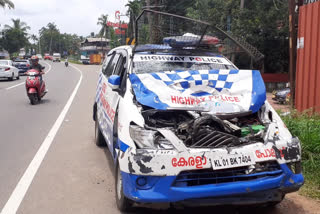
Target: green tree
[(102, 20), (15, 36), (8, 3), (134, 9), (114, 40), (264, 24), (52, 41)]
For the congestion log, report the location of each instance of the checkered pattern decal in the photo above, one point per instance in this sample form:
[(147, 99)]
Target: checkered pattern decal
[(218, 79)]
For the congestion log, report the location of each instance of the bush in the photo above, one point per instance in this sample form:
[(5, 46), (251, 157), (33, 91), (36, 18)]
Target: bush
[(307, 128)]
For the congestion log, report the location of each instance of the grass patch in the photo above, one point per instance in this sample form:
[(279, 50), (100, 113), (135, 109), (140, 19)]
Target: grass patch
[(307, 128)]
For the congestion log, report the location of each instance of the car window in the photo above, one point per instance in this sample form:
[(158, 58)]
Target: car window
[(119, 67), (112, 65), (106, 64), (158, 63)]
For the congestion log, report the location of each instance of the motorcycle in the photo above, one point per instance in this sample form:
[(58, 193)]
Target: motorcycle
[(35, 89), (66, 64)]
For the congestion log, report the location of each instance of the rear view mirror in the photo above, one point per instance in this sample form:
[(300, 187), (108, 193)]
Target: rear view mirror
[(43, 67), (114, 82)]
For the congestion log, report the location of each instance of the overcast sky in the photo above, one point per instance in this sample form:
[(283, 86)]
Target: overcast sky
[(70, 16)]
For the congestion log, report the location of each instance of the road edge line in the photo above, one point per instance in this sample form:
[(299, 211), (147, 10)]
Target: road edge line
[(25, 181)]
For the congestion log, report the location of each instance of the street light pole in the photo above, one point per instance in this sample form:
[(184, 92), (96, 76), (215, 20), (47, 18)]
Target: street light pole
[(293, 18)]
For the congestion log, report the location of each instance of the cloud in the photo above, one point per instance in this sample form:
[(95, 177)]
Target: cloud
[(71, 16)]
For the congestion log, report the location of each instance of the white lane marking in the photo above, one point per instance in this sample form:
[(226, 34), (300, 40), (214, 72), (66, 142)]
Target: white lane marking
[(14, 86), (11, 87), (22, 187)]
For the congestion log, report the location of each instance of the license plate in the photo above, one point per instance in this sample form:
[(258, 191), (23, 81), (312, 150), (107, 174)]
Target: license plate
[(232, 160)]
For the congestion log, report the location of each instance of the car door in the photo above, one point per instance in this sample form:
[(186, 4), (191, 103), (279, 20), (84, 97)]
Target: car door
[(107, 99), (113, 96), (15, 70)]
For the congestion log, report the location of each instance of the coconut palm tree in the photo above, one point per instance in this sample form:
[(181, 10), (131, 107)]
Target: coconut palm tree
[(134, 9), (8, 3), (102, 20), (18, 25), (34, 38)]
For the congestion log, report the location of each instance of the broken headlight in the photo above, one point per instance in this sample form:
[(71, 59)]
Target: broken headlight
[(148, 139)]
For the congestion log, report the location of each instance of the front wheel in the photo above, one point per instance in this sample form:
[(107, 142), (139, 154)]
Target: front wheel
[(123, 203), (33, 99), (99, 139)]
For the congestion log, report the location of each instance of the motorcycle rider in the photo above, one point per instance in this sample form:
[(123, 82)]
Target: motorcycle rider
[(36, 65)]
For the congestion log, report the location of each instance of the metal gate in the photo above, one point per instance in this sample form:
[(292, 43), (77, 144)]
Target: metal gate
[(308, 59)]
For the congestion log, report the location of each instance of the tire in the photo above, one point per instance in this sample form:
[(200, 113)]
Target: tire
[(98, 139), (123, 203), (11, 78), (18, 77), (115, 134), (33, 99)]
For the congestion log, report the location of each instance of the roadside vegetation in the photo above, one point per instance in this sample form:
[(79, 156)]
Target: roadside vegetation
[(307, 128)]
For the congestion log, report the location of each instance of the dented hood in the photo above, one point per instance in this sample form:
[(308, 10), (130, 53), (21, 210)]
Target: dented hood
[(217, 91)]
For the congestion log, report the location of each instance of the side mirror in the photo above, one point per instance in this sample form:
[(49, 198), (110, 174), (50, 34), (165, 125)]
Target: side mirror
[(114, 82), (43, 67)]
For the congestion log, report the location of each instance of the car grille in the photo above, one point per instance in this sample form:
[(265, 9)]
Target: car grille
[(214, 139), (209, 176)]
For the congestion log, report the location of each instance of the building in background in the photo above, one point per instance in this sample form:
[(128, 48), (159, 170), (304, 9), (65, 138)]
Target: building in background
[(94, 46)]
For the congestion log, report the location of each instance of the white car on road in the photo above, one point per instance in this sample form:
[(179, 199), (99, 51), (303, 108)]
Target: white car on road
[(7, 70)]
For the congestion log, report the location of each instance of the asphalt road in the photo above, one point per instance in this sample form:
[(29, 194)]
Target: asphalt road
[(74, 176)]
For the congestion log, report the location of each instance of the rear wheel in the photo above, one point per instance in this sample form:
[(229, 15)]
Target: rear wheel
[(11, 78), (123, 203), (33, 99), (18, 77), (99, 139)]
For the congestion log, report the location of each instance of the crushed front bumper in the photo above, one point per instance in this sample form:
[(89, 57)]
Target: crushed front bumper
[(157, 176)]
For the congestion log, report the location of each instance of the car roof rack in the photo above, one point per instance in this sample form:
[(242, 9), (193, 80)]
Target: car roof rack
[(157, 31)]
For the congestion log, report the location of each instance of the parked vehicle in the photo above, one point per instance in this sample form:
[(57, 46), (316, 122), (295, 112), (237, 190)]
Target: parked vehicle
[(86, 61), (282, 96), (7, 70), (184, 125), (35, 90), (56, 57), (47, 57), (95, 59), (22, 65)]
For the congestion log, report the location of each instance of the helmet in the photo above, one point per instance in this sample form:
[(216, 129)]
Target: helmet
[(34, 60)]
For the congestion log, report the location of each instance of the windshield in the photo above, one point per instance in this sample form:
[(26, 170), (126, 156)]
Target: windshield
[(158, 63), (3, 62)]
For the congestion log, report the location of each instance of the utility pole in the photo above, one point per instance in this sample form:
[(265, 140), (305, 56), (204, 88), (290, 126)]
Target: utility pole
[(293, 20)]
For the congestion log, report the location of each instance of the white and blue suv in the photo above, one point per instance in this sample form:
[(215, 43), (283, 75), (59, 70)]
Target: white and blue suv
[(189, 127)]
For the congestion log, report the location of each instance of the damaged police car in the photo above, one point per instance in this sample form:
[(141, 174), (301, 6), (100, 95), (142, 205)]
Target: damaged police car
[(186, 126)]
